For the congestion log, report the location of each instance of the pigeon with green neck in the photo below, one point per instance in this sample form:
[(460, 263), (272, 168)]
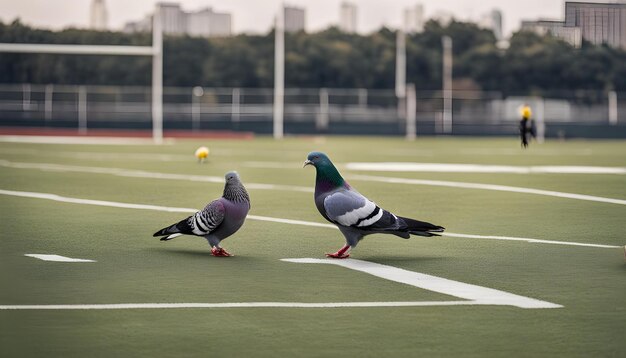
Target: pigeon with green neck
[(355, 215)]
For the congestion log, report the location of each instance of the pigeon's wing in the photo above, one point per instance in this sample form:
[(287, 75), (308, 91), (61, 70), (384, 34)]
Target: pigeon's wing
[(204, 221), (349, 208)]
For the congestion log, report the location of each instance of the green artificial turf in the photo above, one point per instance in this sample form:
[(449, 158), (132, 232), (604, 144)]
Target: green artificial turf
[(134, 267)]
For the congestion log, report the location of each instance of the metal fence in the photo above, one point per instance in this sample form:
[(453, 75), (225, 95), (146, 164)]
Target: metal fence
[(325, 110)]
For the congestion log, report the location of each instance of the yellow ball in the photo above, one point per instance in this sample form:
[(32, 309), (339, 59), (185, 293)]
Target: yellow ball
[(202, 152)]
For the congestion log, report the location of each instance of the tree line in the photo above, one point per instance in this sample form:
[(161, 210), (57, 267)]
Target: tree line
[(532, 64)]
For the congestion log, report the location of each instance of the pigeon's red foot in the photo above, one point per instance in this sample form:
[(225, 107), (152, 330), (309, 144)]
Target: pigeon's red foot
[(338, 255), (341, 253), (219, 252)]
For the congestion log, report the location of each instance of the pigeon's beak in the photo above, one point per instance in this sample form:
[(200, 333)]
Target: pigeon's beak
[(307, 162)]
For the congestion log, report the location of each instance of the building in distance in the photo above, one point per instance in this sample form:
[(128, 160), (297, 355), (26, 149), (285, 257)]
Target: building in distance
[(175, 21), (572, 35), (294, 19), (209, 23), (347, 17), (493, 21), (598, 23), (98, 19), (414, 18)]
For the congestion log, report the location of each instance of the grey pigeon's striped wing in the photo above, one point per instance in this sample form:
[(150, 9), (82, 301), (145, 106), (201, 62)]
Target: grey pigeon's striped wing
[(349, 208), (208, 219)]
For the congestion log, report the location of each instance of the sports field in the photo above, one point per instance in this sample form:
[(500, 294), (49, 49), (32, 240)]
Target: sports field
[(73, 201)]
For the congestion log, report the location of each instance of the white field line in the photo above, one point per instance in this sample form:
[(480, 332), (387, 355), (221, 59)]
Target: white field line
[(518, 152), (114, 204), (472, 294), (514, 189), (147, 157), (409, 152), (536, 241), (219, 180), (261, 186), (488, 152), (248, 153), (291, 222), (122, 306), (56, 258), (152, 156), (433, 283), (272, 165), (479, 168), (78, 140), (144, 174)]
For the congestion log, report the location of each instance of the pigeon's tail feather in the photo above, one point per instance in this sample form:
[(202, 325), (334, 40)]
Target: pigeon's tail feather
[(422, 228), (169, 237), (167, 231)]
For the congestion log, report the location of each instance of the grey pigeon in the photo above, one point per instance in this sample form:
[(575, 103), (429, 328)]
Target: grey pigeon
[(218, 220), (355, 215)]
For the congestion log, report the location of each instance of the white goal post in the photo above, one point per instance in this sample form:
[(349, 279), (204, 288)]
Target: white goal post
[(156, 51)]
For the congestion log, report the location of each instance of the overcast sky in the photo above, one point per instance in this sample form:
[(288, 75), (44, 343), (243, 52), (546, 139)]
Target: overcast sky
[(257, 15)]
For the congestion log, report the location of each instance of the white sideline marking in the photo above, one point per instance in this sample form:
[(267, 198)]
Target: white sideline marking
[(219, 180), (273, 165), (57, 258), (479, 168), (114, 204), (518, 152), (78, 140), (144, 174), (482, 295), (514, 189), (290, 221), (101, 155), (122, 306), (488, 151), (506, 238)]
